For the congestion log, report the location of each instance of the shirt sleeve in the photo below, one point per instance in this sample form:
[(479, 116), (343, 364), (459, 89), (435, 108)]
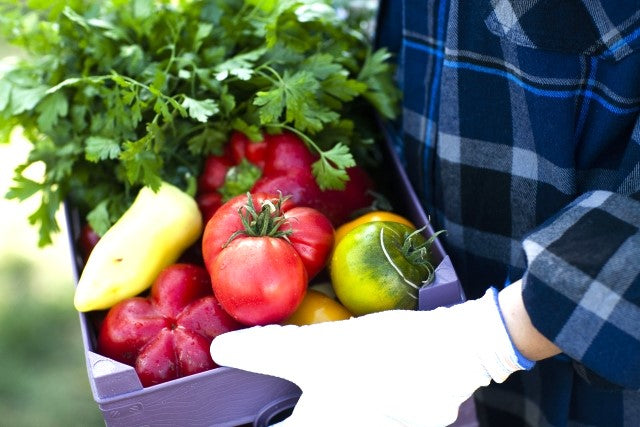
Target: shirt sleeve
[(582, 285)]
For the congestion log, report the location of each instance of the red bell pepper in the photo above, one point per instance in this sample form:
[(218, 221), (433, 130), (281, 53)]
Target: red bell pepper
[(285, 164)]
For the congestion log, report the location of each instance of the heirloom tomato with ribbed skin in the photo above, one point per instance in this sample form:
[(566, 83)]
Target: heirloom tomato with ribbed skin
[(167, 334)]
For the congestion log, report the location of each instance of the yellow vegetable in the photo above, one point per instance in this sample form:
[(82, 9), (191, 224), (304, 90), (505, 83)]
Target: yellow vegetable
[(316, 307), (151, 235)]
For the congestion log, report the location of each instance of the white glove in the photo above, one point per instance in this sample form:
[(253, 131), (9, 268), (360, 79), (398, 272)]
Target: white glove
[(393, 368)]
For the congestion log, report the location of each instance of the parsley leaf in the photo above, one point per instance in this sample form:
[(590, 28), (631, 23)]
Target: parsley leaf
[(330, 168), (200, 110), (23, 188), (50, 108), (99, 148), (99, 219)]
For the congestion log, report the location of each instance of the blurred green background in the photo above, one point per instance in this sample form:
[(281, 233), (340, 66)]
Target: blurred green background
[(43, 380)]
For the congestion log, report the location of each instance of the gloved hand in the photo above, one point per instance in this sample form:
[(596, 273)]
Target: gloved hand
[(393, 368)]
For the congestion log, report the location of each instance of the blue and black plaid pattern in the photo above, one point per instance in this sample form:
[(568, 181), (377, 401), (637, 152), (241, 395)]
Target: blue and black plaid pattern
[(590, 255), (593, 27), (521, 134)]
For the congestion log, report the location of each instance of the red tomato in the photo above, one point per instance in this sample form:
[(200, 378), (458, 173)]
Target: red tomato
[(286, 164), (258, 275), (311, 236), (227, 221), (311, 231), (167, 335), (259, 280)]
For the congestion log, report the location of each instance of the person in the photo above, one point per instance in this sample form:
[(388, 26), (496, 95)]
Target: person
[(520, 131)]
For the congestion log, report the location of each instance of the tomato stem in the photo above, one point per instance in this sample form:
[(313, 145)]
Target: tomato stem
[(267, 222), (420, 255)]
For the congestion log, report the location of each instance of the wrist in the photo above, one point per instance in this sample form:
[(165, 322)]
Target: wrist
[(522, 360), (494, 347), (524, 336)]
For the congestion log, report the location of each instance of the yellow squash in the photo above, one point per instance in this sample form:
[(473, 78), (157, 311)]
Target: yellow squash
[(151, 235)]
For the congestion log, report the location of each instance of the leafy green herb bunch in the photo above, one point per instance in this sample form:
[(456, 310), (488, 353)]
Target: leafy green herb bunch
[(116, 94)]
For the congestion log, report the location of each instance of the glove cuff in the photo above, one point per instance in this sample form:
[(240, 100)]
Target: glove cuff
[(524, 362), (502, 357)]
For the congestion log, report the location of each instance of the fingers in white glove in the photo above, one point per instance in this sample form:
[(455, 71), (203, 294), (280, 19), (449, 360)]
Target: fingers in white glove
[(262, 349), (290, 352)]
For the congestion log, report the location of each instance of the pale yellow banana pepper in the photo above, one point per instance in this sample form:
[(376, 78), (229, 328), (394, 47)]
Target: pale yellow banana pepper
[(152, 234)]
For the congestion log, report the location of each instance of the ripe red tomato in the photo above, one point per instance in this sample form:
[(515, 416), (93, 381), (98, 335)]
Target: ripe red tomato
[(311, 236), (259, 280), (310, 231), (168, 334), (285, 164), (260, 264)]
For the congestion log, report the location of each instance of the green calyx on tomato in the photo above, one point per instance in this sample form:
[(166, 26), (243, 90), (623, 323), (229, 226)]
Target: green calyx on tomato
[(268, 222), (381, 265), (419, 254)]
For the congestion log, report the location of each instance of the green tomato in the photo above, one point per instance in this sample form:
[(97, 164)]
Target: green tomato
[(379, 266)]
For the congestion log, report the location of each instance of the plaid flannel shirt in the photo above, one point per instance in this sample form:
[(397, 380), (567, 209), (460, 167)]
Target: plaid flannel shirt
[(520, 132)]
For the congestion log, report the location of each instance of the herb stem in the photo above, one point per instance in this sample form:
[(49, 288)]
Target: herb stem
[(272, 71), (304, 137)]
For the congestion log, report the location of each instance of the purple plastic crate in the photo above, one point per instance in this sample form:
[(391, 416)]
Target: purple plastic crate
[(218, 397), (228, 397)]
